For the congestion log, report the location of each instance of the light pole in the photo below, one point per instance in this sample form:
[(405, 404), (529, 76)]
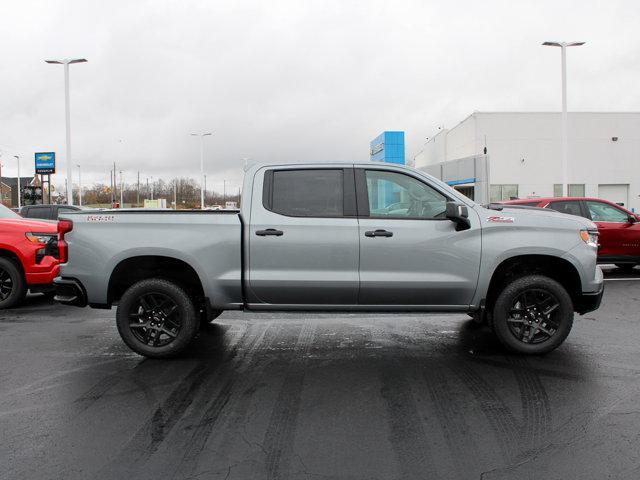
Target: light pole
[(66, 62), (563, 47), (202, 135), (17, 157), (79, 186)]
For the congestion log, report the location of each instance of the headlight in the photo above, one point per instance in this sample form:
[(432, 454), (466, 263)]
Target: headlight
[(590, 237), (40, 238)]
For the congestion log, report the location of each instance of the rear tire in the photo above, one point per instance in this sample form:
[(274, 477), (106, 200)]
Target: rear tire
[(156, 318), (13, 286), (533, 315)]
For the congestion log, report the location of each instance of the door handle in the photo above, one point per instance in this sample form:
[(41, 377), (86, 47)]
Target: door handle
[(269, 231), (378, 233)]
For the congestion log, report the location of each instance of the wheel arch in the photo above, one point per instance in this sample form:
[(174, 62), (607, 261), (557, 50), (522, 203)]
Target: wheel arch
[(554, 267), (14, 257), (140, 267)]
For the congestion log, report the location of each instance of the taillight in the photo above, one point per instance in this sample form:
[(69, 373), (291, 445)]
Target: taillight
[(64, 226)]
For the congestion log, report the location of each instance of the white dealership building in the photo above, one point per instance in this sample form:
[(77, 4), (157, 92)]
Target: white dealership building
[(494, 156)]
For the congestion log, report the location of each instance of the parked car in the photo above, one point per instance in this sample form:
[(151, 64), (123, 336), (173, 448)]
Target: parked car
[(46, 212), (619, 228), (318, 237), (28, 257)]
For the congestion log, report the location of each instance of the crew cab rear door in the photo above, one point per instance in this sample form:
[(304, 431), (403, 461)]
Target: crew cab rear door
[(410, 253), (303, 237)]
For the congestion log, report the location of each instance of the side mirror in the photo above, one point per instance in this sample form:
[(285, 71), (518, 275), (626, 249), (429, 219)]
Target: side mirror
[(632, 219), (458, 214)]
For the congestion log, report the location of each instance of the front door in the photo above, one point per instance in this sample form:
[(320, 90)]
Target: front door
[(619, 238), (410, 254), (303, 238)]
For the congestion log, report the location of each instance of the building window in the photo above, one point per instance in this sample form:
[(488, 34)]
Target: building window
[(503, 192), (575, 190)]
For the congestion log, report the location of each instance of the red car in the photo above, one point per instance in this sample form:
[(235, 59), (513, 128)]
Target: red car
[(619, 228), (28, 256)]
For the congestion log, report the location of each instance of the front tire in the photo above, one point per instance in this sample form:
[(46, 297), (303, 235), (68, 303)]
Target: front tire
[(13, 286), (533, 315), (156, 318)]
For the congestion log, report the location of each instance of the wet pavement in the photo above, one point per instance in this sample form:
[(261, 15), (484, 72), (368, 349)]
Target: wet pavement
[(275, 396)]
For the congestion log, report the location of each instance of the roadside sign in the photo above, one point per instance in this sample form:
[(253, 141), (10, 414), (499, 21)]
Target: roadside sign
[(45, 163)]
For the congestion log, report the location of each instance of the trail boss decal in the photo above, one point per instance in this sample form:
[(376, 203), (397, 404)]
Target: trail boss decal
[(499, 219), (100, 218)]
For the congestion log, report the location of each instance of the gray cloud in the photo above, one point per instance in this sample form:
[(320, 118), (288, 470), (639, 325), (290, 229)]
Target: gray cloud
[(291, 81)]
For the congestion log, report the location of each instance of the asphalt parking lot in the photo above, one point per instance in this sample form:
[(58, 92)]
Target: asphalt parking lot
[(279, 396)]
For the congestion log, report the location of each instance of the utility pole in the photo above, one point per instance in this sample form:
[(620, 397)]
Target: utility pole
[(563, 46), (175, 193), (121, 191), (138, 192), (19, 186), (79, 186), (224, 192), (205, 188)]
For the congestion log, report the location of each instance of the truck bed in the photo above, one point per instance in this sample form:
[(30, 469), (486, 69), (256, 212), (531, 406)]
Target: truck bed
[(209, 241)]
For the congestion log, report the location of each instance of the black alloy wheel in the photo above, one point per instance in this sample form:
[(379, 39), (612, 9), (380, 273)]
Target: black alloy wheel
[(533, 316), (155, 319)]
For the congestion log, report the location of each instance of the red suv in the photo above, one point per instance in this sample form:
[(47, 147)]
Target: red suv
[(618, 227), (28, 256)]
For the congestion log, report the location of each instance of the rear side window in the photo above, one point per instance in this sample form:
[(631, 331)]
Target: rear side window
[(305, 193), (572, 208), (40, 212)]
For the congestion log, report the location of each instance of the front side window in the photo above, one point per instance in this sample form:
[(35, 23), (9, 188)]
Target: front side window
[(307, 193), (392, 194), (570, 207), (603, 212)]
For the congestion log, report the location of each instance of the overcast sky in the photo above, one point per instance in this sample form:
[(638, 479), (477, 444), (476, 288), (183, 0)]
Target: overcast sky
[(291, 81)]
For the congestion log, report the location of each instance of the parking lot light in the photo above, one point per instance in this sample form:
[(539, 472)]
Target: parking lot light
[(563, 46), (66, 62), (202, 182)]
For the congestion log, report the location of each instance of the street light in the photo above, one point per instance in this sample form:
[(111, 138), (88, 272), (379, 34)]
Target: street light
[(66, 62), (563, 46), (202, 135), (79, 186)]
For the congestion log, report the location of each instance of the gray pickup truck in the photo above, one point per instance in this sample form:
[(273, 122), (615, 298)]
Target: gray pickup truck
[(341, 237)]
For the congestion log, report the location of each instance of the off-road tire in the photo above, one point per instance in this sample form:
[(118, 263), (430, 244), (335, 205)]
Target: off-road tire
[(184, 311), (13, 284), (504, 304)]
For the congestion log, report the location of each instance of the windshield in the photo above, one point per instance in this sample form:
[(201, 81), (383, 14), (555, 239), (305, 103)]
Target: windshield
[(8, 213)]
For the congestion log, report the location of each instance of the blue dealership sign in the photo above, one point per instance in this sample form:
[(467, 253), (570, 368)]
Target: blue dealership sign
[(45, 162)]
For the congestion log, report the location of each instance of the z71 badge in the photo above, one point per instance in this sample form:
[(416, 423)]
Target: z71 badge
[(499, 219)]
